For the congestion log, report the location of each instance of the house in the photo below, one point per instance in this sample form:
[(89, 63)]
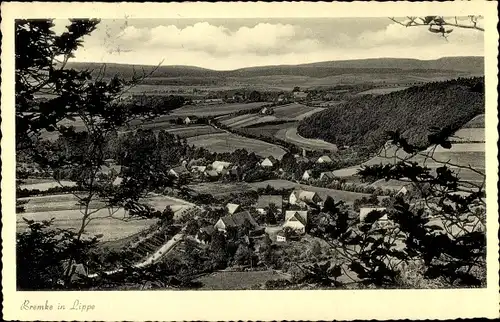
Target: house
[(204, 234), (236, 220), (281, 236), (363, 212), (266, 110), (187, 120), (198, 168), (268, 162), (324, 159), (265, 201), (326, 176), (300, 158), (300, 197), (281, 98), (232, 208), (296, 220), (219, 165), (178, 171), (307, 175)]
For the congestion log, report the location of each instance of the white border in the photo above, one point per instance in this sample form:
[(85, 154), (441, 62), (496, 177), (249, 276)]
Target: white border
[(251, 305)]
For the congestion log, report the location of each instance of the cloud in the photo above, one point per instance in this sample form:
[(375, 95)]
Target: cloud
[(217, 46), (263, 38)]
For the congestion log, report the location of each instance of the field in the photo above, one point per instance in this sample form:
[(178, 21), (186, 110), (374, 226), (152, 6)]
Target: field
[(477, 122), (248, 120), (290, 135), (238, 280), (268, 130), (228, 142), (66, 213), (213, 110), (219, 188), (294, 111), (44, 184), (383, 90)]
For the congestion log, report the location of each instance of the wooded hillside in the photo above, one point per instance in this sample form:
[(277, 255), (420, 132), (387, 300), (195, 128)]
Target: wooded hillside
[(363, 121)]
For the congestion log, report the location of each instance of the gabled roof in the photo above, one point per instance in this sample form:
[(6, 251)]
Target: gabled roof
[(108, 169), (265, 200), (232, 207), (328, 175), (117, 181), (305, 195), (207, 229), (238, 219), (300, 215), (180, 169), (325, 158)]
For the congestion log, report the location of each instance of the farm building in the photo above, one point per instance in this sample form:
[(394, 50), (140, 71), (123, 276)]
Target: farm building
[(236, 220), (302, 197), (268, 162), (326, 176), (232, 208), (296, 220), (307, 175), (187, 120), (178, 171), (324, 159), (363, 212), (265, 201), (220, 165)]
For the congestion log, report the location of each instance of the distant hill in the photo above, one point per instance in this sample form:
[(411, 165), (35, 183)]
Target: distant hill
[(364, 120), (473, 65)]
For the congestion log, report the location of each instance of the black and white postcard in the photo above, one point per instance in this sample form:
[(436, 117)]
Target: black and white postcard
[(249, 161)]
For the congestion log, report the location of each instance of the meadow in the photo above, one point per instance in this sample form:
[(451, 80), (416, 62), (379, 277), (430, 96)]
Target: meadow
[(107, 222), (228, 280), (228, 142), (213, 110), (382, 90), (294, 111)]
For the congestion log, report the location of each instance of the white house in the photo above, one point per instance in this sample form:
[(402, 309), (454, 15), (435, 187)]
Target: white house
[(363, 212), (296, 220), (220, 165), (187, 120), (268, 162), (307, 175), (301, 197), (324, 159), (266, 200), (232, 208)]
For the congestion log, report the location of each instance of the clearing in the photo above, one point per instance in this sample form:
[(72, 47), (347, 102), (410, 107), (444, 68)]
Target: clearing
[(228, 142)]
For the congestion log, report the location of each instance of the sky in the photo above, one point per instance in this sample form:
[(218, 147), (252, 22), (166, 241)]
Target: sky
[(225, 44)]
